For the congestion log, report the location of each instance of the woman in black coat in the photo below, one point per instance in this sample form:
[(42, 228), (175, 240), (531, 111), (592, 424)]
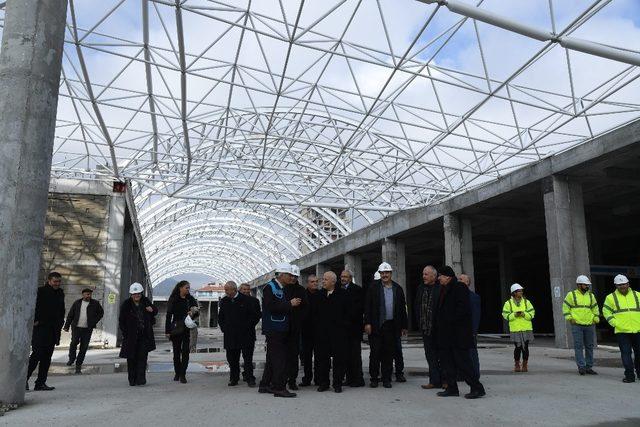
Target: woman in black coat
[(179, 306), (137, 316)]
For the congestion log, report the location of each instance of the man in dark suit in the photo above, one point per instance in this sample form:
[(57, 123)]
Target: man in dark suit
[(237, 319), (331, 314), (385, 318), (247, 352), (47, 327), (476, 312), (455, 335), (308, 333), (424, 308), (298, 314), (355, 298)]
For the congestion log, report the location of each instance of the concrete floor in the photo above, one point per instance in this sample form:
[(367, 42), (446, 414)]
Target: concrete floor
[(550, 394)]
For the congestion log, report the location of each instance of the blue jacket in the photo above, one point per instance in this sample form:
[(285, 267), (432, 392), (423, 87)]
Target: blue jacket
[(276, 309)]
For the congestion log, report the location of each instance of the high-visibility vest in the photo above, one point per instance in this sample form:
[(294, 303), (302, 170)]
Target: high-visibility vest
[(581, 308), (623, 311), (519, 324)]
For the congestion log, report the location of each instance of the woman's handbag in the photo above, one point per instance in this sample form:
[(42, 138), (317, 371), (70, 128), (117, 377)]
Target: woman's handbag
[(177, 328)]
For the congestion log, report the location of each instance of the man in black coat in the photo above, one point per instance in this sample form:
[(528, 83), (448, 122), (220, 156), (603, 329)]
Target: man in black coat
[(308, 332), (455, 335), (425, 306), (247, 351), (355, 298), (84, 315), (385, 319), (237, 319), (298, 314), (47, 327), (332, 318)]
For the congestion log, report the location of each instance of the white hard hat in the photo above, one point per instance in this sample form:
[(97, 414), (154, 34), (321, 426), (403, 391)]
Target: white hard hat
[(516, 287), (136, 288), (189, 323), (583, 280), (283, 267), (376, 275), (620, 279), (385, 266), (295, 270)]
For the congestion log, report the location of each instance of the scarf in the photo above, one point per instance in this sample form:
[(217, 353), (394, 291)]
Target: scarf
[(426, 310)]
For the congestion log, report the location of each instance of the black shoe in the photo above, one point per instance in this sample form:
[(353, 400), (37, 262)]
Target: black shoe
[(251, 383), (70, 362), (132, 383), (475, 394), (387, 384), (373, 384), (78, 370), (183, 379), (144, 382), (590, 371), (284, 393), (400, 378), (359, 383), (337, 389), (292, 385), (176, 377), (323, 388), (624, 380), (448, 392), (27, 386), (582, 371), (233, 383), (43, 387)]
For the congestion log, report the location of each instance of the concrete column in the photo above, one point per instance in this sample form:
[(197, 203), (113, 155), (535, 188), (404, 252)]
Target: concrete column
[(458, 245), (393, 252), (506, 278), (567, 245), (30, 61), (353, 263), (116, 252), (320, 270)]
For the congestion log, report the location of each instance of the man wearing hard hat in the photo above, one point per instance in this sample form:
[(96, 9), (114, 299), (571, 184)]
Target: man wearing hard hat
[(276, 318), (385, 318), (580, 308), (622, 310)]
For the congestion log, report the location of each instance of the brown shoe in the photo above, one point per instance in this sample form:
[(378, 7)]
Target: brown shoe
[(517, 367), (428, 386), (525, 367)]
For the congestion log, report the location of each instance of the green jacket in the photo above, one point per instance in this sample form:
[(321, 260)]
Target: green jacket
[(623, 311), (581, 308), (519, 324)]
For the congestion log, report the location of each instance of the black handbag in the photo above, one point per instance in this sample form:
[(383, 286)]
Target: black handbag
[(177, 328)]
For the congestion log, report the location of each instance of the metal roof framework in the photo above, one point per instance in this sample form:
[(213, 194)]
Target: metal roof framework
[(231, 118)]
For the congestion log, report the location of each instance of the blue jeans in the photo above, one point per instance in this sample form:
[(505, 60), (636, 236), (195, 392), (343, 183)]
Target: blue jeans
[(583, 337), (628, 342)]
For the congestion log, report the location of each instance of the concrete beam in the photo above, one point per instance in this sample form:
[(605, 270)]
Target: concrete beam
[(353, 263), (567, 246), (616, 143), (458, 245), (80, 186), (113, 269), (30, 63)]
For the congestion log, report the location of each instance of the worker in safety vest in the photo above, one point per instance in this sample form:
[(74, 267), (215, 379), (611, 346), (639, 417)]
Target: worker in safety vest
[(622, 311), (580, 308), (519, 312)]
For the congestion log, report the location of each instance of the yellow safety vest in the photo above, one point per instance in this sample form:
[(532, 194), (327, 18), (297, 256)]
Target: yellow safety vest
[(519, 324), (582, 308), (623, 311)]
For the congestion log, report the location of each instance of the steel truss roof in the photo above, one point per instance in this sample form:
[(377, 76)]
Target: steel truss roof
[(235, 119)]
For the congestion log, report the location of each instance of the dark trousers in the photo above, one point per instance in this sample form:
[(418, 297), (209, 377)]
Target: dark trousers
[(137, 365), (233, 358), (398, 357), (274, 374), (293, 353), (353, 362), (383, 346), (521, 349), (475, 360), (80, 336), (627, 344), (456, 362), (41, 357), (433, 360), (330, 354), (247, 358), (180, 345), (307, 357)]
